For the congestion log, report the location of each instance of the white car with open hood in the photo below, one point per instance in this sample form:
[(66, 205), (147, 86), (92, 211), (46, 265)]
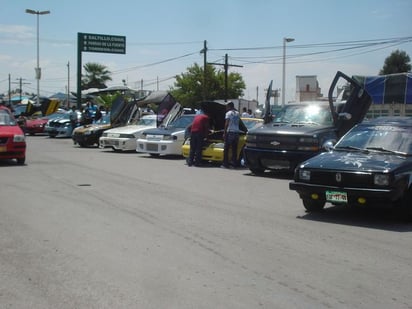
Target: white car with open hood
[(124, 138)]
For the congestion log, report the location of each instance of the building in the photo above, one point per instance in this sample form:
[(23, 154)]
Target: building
[(307, 88)]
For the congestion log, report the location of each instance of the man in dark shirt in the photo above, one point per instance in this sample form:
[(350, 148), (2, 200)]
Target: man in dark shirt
[(198, 131)]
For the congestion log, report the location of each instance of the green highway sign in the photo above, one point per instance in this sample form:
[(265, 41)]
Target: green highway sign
[(101, 43)]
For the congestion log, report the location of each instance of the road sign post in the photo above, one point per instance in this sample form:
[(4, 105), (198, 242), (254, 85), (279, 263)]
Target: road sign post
[(96, 43)]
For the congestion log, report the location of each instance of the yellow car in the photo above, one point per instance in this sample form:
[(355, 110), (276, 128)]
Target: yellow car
[(213, 147)]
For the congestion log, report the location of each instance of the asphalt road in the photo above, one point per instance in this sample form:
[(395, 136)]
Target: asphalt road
[(90, 228)]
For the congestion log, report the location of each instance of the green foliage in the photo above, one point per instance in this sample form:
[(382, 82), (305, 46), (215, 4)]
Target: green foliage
[(397, 62), (96, 76), (189, 87)]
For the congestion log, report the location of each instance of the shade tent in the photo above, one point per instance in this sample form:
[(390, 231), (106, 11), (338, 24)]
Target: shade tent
[(392, 88)]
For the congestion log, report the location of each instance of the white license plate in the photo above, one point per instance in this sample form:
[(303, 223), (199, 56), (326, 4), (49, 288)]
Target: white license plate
[(336, 196), (154, 137)]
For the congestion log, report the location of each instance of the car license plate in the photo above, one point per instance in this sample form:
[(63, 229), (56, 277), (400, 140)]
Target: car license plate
[(154, 137), (3, 148), (336, 196)]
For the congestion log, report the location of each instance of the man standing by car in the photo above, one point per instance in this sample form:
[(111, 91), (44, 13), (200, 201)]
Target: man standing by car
[(198, 132), (73, 117), (231, 135)]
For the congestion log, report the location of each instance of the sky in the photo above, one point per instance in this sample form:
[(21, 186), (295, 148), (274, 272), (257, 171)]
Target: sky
[(165, 37)]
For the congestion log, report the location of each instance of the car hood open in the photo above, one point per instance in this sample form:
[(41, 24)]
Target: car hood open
[(216, 111)]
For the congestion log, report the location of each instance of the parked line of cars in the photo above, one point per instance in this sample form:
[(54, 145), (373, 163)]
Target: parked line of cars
[(334, 155)]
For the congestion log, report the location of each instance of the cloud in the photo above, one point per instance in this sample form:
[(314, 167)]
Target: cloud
[(16, 32)]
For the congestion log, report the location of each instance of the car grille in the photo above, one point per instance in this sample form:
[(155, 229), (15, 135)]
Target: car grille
[(151, 147), (277, 142), (351, 179), (3, 140)]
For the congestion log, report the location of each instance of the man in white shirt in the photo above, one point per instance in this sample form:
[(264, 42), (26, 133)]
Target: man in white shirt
[(231, 135)]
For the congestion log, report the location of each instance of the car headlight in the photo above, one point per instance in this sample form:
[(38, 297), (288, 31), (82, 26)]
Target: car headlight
[(169, 137), (126, 135), (219, 145), (19, 138), (381, 179), (251, 138), (304, 174)]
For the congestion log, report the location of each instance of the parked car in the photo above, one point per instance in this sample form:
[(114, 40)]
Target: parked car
[(371, 166), (299, 131), (60, 126), (89, 134), (167, 139), (213, 147), (34, 126), (12, 139), (124, 138), (156, 103)]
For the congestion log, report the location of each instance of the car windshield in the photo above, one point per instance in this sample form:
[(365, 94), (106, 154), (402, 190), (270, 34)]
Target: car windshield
[(304, 114), (182, 122), (378, 138), (147, 121), (252, 123), (104, 120), (6, 119)]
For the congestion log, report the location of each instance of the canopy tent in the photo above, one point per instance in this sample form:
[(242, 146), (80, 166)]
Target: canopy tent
[(392, 88)]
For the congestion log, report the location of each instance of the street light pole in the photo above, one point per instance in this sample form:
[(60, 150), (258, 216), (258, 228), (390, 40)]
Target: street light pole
[(285, 40), (37, 69)]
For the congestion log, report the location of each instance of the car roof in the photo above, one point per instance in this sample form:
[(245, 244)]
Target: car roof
[(390, 120)]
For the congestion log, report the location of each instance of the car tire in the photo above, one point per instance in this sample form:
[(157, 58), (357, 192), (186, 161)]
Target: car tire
[(81, 144), (52, 135), (406, 204), (313, 205), (154, 154), (21, 161), (257, 170)]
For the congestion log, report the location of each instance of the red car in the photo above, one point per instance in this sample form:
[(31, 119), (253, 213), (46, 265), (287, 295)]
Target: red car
[(34, 126), (12, 139)]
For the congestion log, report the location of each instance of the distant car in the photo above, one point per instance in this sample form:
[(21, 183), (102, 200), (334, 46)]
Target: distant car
[(214, 146), (165, 140), (60, 126), (370, 166), (89, 134), (124, 138), (12, 139), (37, 125)]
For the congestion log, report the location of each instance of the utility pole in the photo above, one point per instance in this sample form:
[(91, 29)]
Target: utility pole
[(226, 65), (204, 51), (9, 90), (21, 86), (68, 85)]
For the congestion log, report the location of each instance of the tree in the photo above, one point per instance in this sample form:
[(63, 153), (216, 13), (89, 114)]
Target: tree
[(397, 62), (188, 87), (96, 76)]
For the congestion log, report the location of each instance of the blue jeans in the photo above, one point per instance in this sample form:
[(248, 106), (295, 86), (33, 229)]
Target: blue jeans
[(231, 142), (196, 145)]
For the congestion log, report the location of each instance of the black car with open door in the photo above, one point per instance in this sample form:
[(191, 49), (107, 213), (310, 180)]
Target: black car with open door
[(301, 130)]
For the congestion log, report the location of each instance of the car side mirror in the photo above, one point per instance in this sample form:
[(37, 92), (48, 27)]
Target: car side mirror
[(328, 145)]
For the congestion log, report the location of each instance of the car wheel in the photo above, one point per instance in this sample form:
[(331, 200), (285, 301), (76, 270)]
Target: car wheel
[(81, 144), (406, 205), (257, 170), (20, 161), (52, 135), (313, 205), (154, 154)]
